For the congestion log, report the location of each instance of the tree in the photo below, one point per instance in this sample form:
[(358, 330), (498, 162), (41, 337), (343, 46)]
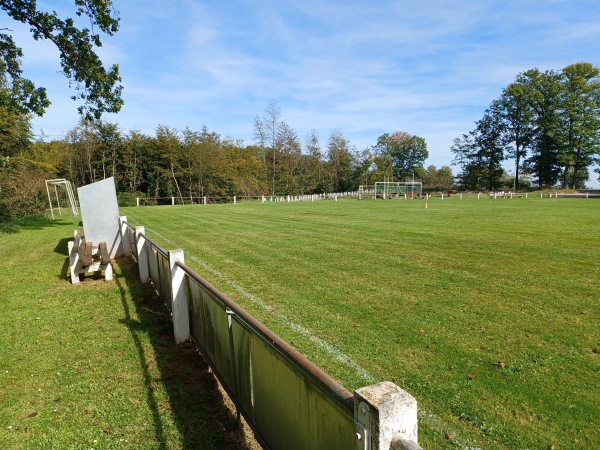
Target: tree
[(96, 85), (289, 145), (580, 122), (313, 163), (512, 108), (543, 97), (168, 146), (340, 160), (480, 153), (109, 139), (406, 152), (82, 142), (15, 132), (364, 167), (265, 134), (435, 179), (134, 148)]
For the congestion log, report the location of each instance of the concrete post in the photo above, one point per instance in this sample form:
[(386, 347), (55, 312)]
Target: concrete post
[(385, 418), (142, 254), (74, 263), (179, 308), (137, 201), (125, 241)]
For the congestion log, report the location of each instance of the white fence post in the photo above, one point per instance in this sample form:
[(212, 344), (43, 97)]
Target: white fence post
[(142, 254), (179, 309), (137, 201), (385, 417), (125, 242)]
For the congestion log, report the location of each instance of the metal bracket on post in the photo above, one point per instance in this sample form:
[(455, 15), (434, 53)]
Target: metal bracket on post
[(234, 387), (361, 426), (232, 349)]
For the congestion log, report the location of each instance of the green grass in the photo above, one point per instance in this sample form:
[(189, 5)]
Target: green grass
[(95, 365), (431, 299)]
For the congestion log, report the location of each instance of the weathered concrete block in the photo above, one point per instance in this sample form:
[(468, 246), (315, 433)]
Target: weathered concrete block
[(384, 414)]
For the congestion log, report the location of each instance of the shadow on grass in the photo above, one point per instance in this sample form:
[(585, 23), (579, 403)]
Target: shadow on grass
[(36, 222), (63, 249), (202, 418)]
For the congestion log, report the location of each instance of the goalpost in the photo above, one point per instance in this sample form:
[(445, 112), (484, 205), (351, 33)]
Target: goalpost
[(66, 192), (395, 189)]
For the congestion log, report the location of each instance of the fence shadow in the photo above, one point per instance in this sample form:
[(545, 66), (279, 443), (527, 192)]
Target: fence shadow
[(203, 418), (35, 222)]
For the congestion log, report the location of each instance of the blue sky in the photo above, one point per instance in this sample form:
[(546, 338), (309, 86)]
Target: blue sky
[(361, 67)]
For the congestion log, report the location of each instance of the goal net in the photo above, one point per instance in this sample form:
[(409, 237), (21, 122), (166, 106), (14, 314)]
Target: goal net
[(63, 192), (397, 189)]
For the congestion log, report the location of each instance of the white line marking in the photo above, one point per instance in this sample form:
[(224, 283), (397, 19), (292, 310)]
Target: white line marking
[(431, 419), (341, 357)]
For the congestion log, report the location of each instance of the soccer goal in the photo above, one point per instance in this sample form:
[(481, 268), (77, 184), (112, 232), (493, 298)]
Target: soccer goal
[(63, 191), (398, 189)]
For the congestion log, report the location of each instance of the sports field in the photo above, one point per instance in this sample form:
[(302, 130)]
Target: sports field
[(487, 311)]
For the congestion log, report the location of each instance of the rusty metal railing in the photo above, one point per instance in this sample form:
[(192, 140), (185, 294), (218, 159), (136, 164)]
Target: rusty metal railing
[(287, 400)]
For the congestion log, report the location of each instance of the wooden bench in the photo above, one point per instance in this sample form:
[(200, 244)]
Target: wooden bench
[(85, 258)]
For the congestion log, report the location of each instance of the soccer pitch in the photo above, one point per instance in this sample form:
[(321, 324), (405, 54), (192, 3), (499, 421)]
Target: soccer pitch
[(485, 310)]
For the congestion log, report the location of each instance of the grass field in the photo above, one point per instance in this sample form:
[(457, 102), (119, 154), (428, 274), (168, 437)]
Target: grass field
[(95, 365), (486, 311)]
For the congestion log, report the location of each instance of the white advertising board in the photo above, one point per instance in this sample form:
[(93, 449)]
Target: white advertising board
[(100, 215)]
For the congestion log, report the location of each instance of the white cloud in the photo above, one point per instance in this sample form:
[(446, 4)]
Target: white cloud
[(364, 68)]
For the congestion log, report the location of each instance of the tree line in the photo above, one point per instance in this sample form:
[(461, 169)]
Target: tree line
[(548, 123), (190, 164)]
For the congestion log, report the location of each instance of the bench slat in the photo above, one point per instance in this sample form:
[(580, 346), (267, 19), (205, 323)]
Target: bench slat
[(87, 254), (104, 253)]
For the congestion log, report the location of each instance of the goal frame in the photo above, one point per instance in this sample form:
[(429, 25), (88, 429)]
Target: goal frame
[(389, 189), (71, 200)]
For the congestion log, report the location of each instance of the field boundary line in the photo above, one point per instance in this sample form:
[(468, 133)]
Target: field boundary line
[(328, 348), (428, 417)]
